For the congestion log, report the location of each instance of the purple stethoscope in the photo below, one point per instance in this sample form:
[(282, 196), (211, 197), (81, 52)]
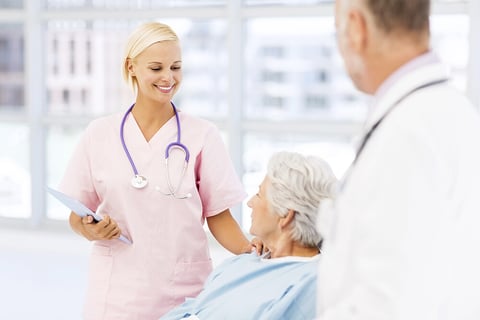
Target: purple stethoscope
[(139, 181)]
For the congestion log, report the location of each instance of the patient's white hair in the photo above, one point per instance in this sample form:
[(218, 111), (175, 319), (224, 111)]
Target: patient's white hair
[(300, 183)]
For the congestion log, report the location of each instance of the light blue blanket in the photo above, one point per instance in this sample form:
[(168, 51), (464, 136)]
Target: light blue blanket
[(249, 287)]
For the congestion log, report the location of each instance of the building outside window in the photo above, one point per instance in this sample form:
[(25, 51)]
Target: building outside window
[(292, 92)]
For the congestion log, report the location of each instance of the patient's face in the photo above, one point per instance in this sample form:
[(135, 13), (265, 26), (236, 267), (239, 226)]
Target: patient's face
[(264, 223)]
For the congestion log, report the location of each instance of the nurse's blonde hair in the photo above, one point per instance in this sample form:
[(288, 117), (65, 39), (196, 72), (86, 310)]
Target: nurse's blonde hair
[(142, 38)]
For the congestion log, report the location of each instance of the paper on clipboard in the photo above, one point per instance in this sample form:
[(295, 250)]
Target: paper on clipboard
[(79, 208)]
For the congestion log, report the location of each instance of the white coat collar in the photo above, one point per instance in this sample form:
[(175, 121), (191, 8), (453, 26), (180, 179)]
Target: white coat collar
[(427, 68)]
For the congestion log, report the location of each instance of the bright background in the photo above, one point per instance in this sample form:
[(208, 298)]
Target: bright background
[(268, 73)]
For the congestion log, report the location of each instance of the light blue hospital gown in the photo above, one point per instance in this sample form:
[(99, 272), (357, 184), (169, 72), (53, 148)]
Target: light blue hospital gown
[(249, 287)]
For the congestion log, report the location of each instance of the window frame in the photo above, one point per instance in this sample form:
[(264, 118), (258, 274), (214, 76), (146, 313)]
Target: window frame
[(33, 16)]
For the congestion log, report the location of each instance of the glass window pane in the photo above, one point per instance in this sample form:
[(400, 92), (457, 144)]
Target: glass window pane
[(15, 186), (129, 4), (61, 141), (11, 68), (205, 75), (450, 40), (285, 2), (337, 151), (293, 70), (11, 4), (83, 67), (316, 2)]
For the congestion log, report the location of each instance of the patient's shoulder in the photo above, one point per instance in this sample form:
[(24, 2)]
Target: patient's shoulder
[(238, 259)]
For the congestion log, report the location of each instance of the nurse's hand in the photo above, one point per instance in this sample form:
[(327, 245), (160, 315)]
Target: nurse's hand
[(105, 229), (257, 246)]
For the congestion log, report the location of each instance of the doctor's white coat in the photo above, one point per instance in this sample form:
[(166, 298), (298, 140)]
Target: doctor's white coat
[(405, 233)]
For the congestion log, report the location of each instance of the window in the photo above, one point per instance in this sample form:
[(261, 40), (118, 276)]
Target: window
[(285, 2), (72, 57), (15, 185), (272, 51), (65, 97), (11, 4), (267, 72), (129, 4), (11, 68), (452, 44), (273, 76), (60, 143), (283, 68)]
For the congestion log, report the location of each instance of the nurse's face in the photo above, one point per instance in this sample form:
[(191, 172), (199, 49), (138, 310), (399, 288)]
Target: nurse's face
[(264, 222), (158, 70)]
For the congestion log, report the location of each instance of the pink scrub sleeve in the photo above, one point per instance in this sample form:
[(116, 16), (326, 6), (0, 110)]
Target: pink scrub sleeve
[(77, 181), (219, 185)]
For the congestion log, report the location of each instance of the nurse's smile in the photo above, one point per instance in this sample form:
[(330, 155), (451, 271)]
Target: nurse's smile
[(165, 89)]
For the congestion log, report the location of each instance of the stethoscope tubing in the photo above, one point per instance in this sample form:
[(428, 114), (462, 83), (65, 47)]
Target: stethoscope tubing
[(122, 139), (177, 144)]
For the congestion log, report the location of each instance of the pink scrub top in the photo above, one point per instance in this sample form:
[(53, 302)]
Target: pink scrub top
[(169, 258)]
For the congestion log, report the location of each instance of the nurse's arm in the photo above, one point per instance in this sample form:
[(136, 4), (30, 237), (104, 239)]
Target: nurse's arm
[(228, 233), (105, 229)]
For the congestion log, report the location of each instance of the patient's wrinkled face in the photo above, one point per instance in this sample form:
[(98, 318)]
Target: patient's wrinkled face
[(265, 224)]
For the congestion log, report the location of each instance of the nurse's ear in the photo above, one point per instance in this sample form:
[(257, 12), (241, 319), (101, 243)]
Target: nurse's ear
[(130, 66)]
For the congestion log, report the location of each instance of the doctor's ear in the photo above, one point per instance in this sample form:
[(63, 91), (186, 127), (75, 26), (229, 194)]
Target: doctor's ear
[(357, 29)]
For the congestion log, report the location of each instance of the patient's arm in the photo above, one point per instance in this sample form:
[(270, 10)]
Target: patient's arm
[(180, 312), (298, 302)]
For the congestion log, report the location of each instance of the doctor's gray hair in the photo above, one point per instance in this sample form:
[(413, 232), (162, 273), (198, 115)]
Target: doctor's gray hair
[(299, 183), (400, 15), (142, 38)]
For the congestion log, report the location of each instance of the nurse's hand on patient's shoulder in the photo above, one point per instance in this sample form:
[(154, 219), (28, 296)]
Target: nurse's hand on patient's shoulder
[(257, 246), (105, 229)]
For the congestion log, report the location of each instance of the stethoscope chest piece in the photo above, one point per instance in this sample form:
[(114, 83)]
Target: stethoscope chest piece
[(139, 182)]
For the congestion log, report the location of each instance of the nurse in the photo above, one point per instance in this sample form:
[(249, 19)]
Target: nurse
[(155, 174)]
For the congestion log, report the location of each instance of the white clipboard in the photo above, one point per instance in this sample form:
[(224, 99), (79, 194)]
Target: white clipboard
[(80, 209)]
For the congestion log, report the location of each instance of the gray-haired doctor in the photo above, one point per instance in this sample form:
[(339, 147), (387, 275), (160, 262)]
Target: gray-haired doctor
[(406, 226)]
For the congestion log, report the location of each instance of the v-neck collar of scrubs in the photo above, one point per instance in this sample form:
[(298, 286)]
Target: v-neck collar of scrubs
[(138, 134)]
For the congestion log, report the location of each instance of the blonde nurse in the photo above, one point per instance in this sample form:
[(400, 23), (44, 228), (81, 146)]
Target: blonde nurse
[(155, 174)]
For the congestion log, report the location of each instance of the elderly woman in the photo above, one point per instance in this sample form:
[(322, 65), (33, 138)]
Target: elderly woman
[(281, 283)]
